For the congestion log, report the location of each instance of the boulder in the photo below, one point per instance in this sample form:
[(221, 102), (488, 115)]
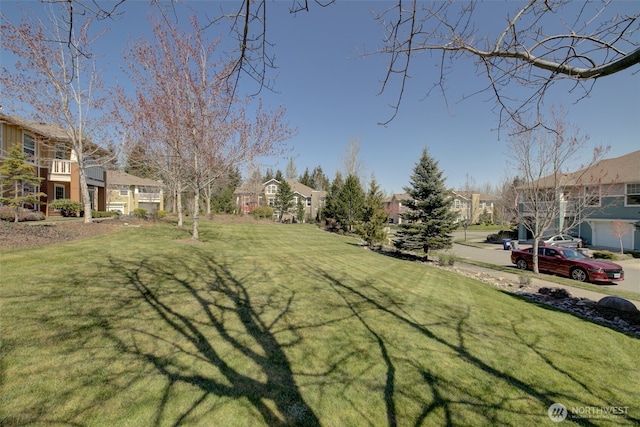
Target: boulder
[(617, 303)]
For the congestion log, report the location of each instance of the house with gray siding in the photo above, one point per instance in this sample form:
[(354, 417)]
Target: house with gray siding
[(616, 205)]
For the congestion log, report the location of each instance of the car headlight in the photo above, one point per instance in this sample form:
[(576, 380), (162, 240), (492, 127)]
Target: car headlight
[(595, 269)]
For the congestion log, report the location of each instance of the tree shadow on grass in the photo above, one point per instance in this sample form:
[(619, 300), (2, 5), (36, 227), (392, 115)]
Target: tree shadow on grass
[(210, 323), (366, 297)]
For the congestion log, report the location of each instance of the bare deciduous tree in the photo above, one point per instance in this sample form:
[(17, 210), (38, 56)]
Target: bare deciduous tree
[(57, 82), (556, 192), (541, 43), (619, 230), (188, 115)]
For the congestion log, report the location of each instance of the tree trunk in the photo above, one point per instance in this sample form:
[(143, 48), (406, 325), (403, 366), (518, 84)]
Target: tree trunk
[(84, 190), (196, 213), (179, 203)]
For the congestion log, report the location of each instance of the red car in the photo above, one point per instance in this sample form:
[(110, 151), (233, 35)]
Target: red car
[(568, 262)]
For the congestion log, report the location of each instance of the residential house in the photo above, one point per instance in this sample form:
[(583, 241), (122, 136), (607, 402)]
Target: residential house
[(247, 198), (472, 207), (49, 152), (613, 188), (126, 193), (466, 206), (395, 206)]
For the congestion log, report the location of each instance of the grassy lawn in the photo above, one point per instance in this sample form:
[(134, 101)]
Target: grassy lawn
[(272, 325)]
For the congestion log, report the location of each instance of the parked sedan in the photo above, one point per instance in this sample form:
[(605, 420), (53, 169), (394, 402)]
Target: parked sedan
[(562, 240), (568, 262)]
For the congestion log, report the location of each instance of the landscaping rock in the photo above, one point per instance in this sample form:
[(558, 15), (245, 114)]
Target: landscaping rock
[(617, 303)]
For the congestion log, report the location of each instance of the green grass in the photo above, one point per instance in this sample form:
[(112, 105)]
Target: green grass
[(270, 324)]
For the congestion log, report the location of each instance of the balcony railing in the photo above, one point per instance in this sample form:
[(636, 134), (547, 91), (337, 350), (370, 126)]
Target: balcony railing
[(149, 197), (60, 171), (95, 173)]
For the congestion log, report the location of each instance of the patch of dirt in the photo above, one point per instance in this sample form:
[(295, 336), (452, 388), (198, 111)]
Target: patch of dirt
[(30, 234)]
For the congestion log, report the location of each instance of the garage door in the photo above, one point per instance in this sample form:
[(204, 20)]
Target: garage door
[(604, 236)]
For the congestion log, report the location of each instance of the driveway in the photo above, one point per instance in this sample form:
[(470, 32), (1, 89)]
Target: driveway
[(494, 254)]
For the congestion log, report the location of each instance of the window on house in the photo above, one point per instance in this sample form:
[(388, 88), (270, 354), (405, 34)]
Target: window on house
[(592, 196), (271, 189), (632, 195), (124, 190), (29, 146), (59, 192), (309, 202), (456, 204), (59, 153)]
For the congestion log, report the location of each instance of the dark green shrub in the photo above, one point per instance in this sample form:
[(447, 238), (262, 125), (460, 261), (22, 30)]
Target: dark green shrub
[(604, 255), (140, 213), (67, 207), (262, 212), (502, 234)]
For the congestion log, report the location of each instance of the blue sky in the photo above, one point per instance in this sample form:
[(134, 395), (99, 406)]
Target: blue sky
[(331, 95)]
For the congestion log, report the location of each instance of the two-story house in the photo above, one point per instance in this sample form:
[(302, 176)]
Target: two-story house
[(126, 193), (48, 151), (395, 206), (466, 206), (611, 189), (472, 207), (247, 199)]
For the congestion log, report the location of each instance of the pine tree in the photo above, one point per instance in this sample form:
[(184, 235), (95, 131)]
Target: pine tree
[(283, 201), (330, 210), (305, 179), (18, 176), (351, 203), (429, 219), (300, 211), (319, 179), (374, 218)]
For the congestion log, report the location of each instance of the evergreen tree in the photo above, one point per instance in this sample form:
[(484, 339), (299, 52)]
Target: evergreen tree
[(350, 206), (375, 218), (330, 210), (429, 219), (300, 211), (319, 180), (269, 175), (138, 163), (222, 200), (279, 177), (305, 179), (283, 201), (17, 178)]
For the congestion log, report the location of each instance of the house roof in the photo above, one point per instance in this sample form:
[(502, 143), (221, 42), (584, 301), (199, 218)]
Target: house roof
[(468, 195), (401, 196), (115, 177), (625, 168), (40, 128), (296, 187)]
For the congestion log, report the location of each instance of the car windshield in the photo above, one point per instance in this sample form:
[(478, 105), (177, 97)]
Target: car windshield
[(573, 254)]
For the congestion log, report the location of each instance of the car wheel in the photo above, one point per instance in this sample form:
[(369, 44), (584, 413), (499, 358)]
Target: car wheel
[(521, 264), (579, 274)]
